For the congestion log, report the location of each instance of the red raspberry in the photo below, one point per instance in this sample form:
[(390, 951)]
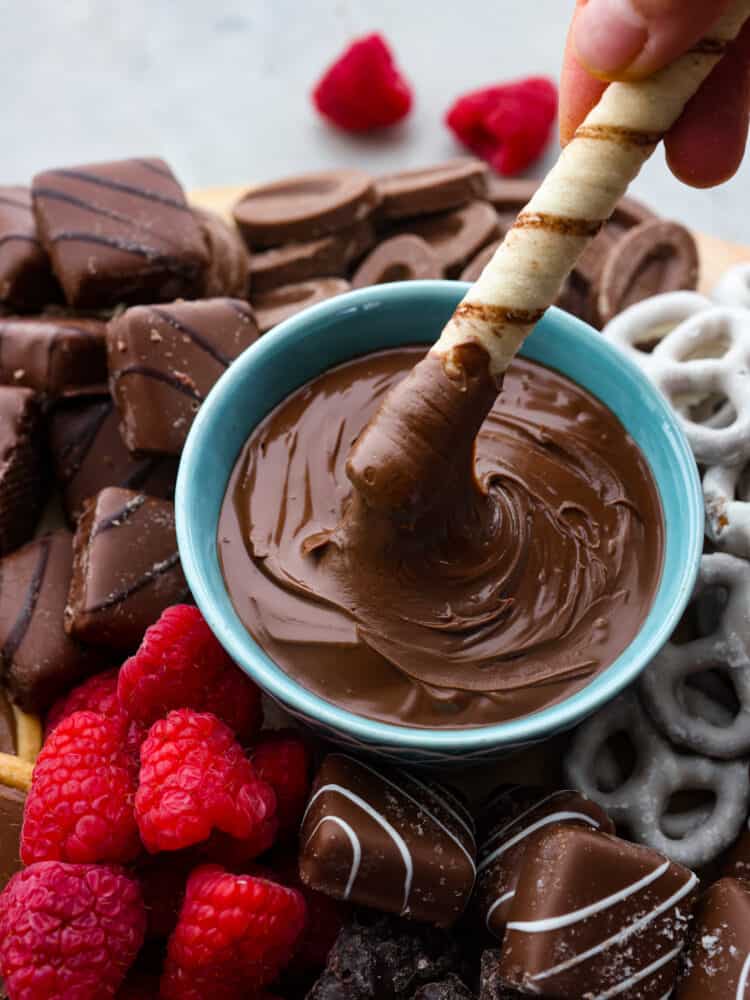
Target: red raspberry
[(282, 759), (80, 806), (508, 125), (195, 778), (69, 931), (364, 88), (97, 694), (235, 934), (180, 664)]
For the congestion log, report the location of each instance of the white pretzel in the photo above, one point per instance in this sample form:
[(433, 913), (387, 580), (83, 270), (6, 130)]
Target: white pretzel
[(640, 801), (734, 287), (728, 508)]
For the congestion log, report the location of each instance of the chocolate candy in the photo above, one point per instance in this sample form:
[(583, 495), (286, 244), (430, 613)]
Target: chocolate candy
[(400, 258), (26, 281), (119, 232), (512, 816), (595, 916), (54, 356), (305, 207), (38, 660), (477, 264), (431, 189), (279, 304), (737, 862), (12, 799), (718, 961), (458, 235), (228, 259), (126, 569), (22, 471), (88, 455), (12, 802), (329, 256), (163, 360), (491, 986), (387, 840)]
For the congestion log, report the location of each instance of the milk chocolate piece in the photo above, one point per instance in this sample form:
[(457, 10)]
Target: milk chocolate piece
[(304, 208), (477, 264), (329, 256), (510, 818), (54, 356), (22, 472), (228, 258), (26, 281), (11, 819), (717, 963), (458, 235), (279, 304), (39, 661), (400, 258), (119, 232), (491, 986), (88, 455), (126, 569), (387, 840), (595, 916), (737, 861), (431, 189), (163, 360)]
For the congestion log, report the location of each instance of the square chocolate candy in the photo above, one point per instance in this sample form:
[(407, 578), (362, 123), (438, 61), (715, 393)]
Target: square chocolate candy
[(126, 569), (22, 473), (163, 360), (388, 840), (119, 232), (52, 355), (26, 281), (718, 961)]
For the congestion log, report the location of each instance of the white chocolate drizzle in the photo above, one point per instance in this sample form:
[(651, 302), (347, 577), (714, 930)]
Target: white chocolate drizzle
[(353, 840), (743, 980), (638, 977), (557, 817)]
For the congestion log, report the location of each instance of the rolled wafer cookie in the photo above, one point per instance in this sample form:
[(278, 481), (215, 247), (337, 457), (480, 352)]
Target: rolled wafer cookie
[(29, 736), (400, 458), (14, 772)]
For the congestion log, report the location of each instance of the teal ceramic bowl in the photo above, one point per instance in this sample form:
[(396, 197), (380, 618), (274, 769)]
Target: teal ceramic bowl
[(390, 316)]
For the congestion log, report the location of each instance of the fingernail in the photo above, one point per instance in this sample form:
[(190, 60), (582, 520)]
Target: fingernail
[(609, 35)]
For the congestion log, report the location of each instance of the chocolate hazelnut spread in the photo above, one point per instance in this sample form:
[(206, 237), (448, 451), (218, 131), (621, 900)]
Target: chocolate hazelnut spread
[(529, 570)]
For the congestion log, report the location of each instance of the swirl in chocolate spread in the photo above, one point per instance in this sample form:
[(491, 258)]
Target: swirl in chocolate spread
[(530, 566)]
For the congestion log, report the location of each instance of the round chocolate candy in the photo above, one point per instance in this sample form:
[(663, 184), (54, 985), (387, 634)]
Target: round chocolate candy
[(279, 304), (431, 189), (400, 258)]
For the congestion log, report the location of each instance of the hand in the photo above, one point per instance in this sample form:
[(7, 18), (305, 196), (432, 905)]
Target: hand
[(631, 39)]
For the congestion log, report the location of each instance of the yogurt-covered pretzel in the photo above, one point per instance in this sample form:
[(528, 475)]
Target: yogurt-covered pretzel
[(640, 800), (400, 459), (727, 499), (734, 287)]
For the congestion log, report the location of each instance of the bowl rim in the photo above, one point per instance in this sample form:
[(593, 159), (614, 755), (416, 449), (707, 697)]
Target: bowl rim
[(250, 656)]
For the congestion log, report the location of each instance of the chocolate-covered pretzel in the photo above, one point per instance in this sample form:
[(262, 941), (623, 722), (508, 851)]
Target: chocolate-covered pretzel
[(426, 190), (401, 258)]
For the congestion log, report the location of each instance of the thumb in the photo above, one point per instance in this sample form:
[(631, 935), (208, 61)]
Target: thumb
[(629, 39)]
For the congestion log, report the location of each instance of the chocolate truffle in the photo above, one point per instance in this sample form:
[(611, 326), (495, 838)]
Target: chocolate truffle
[(438, 188), (126, 569), (26, 281), (595, 916), (228, 259), (717, 963), (279, 304), (22, 474), (387, 840), (39, 661), (89, 455), (163, 360), (54, 356), (119, 232)]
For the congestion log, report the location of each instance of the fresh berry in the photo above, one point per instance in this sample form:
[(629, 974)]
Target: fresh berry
[(69, 931), (80, 805), (509, 125), (364, 88), (195, 778), (180, 664), (281, 758), (97, 694), (235, 934)]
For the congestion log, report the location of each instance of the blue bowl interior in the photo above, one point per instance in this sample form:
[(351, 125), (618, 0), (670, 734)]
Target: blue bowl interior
[(391, 316)]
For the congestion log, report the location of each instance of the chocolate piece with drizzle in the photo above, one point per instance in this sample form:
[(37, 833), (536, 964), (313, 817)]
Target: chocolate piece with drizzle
[(55, 356), (22, 466), (26, 281), (717, 963)]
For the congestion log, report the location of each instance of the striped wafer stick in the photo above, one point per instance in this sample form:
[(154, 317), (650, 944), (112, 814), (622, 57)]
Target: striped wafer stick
[(14, 772), (524, 277), (28, 735)]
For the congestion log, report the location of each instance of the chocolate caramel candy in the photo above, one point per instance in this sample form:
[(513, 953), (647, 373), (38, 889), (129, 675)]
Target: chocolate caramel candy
[(431, 189), (22, 466), (400, 258), (163, 360), (594, 916), (303, 208), (508, 820), (279, 304), (38, 661), (228, 258), (717, 963), (119, 232), (26, 281), (387, 840), (126, 569), (455, 236), (52, 355), (88, 455)]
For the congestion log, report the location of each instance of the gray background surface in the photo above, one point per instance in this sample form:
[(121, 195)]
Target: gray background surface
[(220, 88)]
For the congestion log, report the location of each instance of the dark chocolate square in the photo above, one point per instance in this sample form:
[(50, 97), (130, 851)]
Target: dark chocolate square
[(26, 280), (22, 473), (53, 356)]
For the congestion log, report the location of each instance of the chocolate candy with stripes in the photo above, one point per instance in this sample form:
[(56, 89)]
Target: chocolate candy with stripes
[(126, 569), (595, 917), (55, 356), (120, 232), (26, 281), (717, 963), (22, 466), (511, 816), (163, 360), (388, 840)]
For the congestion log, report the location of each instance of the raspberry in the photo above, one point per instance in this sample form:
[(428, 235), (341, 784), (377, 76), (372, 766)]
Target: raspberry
[(281, 758), (364, 88), (195, 778), (69, 931), (508, 125), (180, 664), (80, 806), (235, 934), (97, 694)]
